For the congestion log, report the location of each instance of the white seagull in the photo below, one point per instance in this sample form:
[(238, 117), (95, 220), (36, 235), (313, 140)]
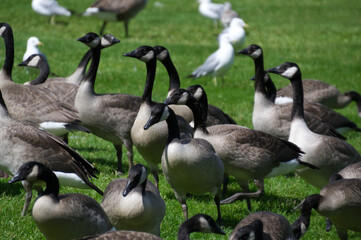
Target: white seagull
[(228, 14), (32, 47), (211, 10), (49, 8), (236, 32)]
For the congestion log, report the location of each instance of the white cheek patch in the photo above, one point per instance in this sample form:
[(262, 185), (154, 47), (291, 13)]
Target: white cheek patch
[(105, 43), (165, 114), (289, 73), (161, 56), (94, 43), (198, 94), (143, 176), (2, 30), (256, 54), (34, 61), (205, 227), (303, 228), (252, 235), (148, 56), (183, 98), (33, 174)]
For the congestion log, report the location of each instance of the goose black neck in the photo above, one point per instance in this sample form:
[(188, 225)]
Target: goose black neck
[(85, 60), (259, 81), (311, 202), (185, 229), (297, 107), (3, 109), (52, 182), (44, 73), (199, 110), (174, 82), (92, 71), (9, 51), (271, 89), (173, 129), (147, 93), (144, 185)]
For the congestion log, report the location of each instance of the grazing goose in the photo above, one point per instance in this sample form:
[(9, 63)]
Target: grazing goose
[(228, 14), (50, 8), (322, 92), (190, 166), (339, 201), (198, 223), (115, 10), (33, 105), (328, 153), (263, 225), (150, 144), (219, 62), (21, 143), (236, 32), (134, 203), (215, 115), (351, 171), (62, 216), (273, 118), (246, 154)]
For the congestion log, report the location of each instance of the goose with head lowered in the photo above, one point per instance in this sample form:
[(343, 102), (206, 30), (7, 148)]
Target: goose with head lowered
[(32, 105), (246, 154), (328, 153), (134, 203), (273, 118), (151, 143), (198, 223), (339, 201), (22, 143), (108, 116), (62, 216), (190, 166)]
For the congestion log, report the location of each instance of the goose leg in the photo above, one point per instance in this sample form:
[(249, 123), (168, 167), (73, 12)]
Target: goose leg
[(217, 202), (118, 148), (129, 146), (154, 172), (103, 27), (225, 184), (328, 225), (28, 195), (126, 22)]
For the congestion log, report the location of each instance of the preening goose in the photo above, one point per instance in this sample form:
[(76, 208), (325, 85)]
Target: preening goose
[(108, 116), (190, 165), (328, 153), (62, 216), (115, 10), (322, 92), (198, 223), (273, 118), (246, 154), (33, 105), (263, 225), (339, 201), (150, 144), (21, 143), (134, 203), (50, 8)]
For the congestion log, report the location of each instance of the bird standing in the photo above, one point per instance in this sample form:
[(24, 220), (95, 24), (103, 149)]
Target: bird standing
[(50, 8)]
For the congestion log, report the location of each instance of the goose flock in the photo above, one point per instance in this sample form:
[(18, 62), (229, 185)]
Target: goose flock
[(195, 146)]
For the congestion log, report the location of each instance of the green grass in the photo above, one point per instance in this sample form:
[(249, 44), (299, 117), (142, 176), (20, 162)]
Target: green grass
[(322, 37)]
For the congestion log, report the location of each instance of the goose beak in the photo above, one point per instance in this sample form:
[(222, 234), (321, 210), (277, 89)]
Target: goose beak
[(130, 186), (148, 124), (243, 51), (253, 78), (168, 101), (273, 70), (130, 54), (15, 178), (22, 64)]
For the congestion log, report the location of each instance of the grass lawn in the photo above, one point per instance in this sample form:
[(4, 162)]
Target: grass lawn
[(322, 37)]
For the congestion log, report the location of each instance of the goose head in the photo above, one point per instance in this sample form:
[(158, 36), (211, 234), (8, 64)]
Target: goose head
[(252, 231), (30, 171), (161, 53), (108, 40), (287, 70), (137, 176), (90, 39), (179, 96), (4, 28), (199, 223), (143, 53), (33, 60), (253, 51), (159, 113)]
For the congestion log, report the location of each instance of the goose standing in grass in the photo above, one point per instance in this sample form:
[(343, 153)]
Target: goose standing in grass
[(236, 33), (62, 216), (273, 118), (50, 8), (198, 223), (32, 105), (115, 10), (190, 166), (150, 144), (322, 92), (228, 14), (339, 201), (328, 153), (219, 62), (134, 203), (246, 154), (263, 225)]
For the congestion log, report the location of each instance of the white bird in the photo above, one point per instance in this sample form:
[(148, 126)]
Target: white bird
[(49, 8), (228, 14), (236, 32), (211, 10), (32, 47), (219, 62)]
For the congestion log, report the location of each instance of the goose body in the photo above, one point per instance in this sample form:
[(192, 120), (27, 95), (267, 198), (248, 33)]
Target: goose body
[(328, 153), (351, 171), (134, 203), (65, 216), (189, 165)]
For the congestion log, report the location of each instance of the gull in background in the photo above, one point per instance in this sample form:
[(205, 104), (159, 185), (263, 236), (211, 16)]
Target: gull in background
[(219, 62), (236, 32), (211, 10), (32, 47), (50, 8), (228, 14)]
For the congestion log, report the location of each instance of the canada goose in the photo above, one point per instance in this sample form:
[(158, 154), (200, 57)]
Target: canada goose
[(32, 105), (263, 225), (219, 62), (50, 8), (190, 165), (322, 92), (150, 144), (215, 115), (273, 118), (228, 14), (328, 153), (134, 203), (340, 201), (21, 143), (236, 32), (211, 10), (198, 223), (351, 171), (115, 10), (246, 154), (64, 216)]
